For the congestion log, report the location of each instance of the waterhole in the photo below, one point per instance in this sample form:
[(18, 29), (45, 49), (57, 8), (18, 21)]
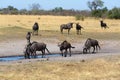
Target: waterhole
[(14, 58)]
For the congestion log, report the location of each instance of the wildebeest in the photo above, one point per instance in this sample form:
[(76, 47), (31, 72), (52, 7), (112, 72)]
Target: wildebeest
[(65, 45), (28, 36), (66, 27), (91, 43), (35, 28), (103, 25), (35, 46), (78, 28)]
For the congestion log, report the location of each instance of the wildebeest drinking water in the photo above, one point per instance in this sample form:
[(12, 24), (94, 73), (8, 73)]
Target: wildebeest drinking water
[(103, 25), (91, 43), (65, 45), (66, 27), (33, 47), (35, 28), (78, 28)]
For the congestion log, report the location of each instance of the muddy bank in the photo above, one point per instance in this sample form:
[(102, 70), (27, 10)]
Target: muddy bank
[(16, 47)]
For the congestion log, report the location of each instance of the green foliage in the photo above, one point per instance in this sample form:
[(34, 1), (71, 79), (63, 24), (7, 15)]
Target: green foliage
[(79, 17), (114, 13), (58, 9), (100, 12), (95, 4)]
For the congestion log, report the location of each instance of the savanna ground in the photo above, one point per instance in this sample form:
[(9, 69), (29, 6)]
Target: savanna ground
[(13, 29)]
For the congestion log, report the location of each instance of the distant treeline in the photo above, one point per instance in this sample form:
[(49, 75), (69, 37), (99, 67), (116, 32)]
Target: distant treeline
[(59, 11)]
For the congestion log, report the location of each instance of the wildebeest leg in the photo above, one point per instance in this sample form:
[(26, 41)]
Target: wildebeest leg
[(102, 27), (62, 53), (37, 32), (89, 50), (26, 55), (35, 54), (32, 54), (61, 30), (93, 49), (43, 52), (96, 48), (84, 50), (65, 53), (70, 51), (68, 31), (80, 32), (77, 32)]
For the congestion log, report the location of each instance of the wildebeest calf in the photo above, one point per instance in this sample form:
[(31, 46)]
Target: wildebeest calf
[(65, 46)]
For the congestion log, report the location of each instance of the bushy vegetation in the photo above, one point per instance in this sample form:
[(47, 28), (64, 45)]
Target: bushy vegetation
[(79, 17), (114, 13), (97, 9)]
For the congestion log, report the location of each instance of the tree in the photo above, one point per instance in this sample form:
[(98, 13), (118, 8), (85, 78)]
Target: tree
[(58, 9), (35, 8), (95, 4), (114, 13), (96, 7)]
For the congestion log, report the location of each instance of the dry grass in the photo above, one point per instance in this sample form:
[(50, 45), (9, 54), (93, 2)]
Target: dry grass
[(99, 69), (16, 26)]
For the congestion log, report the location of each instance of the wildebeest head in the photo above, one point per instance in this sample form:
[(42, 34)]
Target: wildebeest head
[(70, 25), (64, 45)]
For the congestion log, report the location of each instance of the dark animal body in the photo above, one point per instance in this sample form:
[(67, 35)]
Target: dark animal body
[(35, 28), (103, 25), (65, 46), (28, 36), (91, 43), (33, 47), (66, 27), (78, 28)]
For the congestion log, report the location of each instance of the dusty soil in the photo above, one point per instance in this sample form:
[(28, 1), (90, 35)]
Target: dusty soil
[(16, 47)]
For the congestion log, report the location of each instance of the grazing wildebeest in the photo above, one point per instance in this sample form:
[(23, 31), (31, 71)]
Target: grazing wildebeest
[(103, 25), (35, 28), (66, 27), (91, 43), (35, 46), (64, 46), (28, 36), (78, 28)]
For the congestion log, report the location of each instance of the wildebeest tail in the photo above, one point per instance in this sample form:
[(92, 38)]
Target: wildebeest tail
[(48, 51), (99, 46), (72, 47)]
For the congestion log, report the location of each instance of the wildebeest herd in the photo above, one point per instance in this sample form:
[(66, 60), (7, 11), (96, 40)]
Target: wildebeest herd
[(32, 47)]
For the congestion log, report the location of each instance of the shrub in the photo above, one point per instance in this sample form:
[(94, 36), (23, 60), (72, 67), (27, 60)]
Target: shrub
[(114, 13), (79, 17)]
